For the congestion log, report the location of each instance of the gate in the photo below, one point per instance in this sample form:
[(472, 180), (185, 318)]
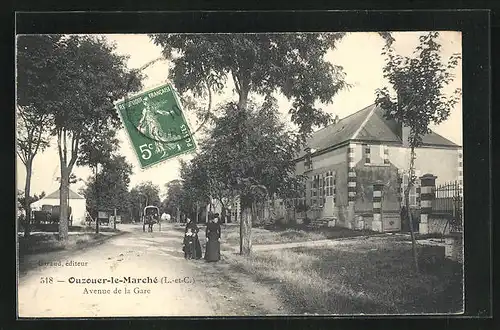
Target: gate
[(389, 200), (390, 212), (448, 203)]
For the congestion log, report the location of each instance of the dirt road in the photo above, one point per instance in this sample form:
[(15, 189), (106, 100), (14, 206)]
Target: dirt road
[(124, 263)]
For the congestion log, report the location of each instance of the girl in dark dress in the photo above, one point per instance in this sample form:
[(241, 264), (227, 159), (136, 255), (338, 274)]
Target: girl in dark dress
[(191, 227), (213, 232)]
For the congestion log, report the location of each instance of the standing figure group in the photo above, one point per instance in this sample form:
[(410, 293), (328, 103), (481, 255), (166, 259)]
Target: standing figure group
[(192, 246)]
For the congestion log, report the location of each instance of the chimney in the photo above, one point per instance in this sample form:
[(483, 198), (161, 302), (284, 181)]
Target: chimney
[(336, 120), (405, 133)]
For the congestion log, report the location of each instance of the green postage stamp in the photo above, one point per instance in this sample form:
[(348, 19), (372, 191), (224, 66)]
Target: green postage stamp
[(156, 125)]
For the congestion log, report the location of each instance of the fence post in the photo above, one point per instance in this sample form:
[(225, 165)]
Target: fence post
[(400, 187), (427, 191), (351, 186), (460, 171), (378, 186)]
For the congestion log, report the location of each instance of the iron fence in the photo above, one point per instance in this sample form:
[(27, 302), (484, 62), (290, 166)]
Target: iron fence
[(448, 203)]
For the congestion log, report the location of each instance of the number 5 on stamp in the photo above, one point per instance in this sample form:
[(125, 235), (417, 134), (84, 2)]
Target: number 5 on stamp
[(156, 125)]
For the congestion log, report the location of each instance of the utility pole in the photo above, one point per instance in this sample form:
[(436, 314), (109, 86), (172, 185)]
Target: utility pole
[(140, 208)]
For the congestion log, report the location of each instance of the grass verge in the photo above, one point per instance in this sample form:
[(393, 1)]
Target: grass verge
[(374, 280), (298, 233), (46, 246), (48, 242), (284, 234), (54, 228)]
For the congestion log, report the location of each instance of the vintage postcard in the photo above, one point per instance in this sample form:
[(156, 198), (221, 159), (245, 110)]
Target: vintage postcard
[(249, 174)]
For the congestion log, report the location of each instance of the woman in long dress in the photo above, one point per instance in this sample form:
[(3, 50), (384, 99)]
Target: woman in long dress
[(192, 227), (150, 126), (213, 232)]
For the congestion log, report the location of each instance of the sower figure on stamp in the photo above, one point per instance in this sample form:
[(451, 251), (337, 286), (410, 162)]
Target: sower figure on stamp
[(213, 232), (150, 126)]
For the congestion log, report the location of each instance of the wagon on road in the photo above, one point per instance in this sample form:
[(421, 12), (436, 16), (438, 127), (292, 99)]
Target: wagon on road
[(150, 216)]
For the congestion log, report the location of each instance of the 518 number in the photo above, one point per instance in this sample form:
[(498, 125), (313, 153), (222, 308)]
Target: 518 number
[(46, 280)]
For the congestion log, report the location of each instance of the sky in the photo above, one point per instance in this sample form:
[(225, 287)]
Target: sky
[(359, 53)]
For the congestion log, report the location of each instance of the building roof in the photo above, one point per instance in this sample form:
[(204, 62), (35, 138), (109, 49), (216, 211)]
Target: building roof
[(72, 195), (368, 125)]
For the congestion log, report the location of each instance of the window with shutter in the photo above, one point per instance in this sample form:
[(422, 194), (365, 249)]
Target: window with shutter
[(366, 149), (314, 190), (321, 190), (385, 155), (334, 187), (329, 183)]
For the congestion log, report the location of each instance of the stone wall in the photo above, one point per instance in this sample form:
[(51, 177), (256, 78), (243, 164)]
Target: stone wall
[(437, 225), (366, 176)]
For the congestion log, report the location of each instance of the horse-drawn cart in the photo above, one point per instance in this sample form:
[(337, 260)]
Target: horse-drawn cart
[(150, 216)]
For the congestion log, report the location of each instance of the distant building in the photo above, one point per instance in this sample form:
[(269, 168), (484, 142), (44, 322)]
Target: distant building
[(77, 203), (232, 210), (343, 160)]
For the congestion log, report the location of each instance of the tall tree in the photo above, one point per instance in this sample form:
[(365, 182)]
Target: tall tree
[(212, 183), (417, 98), (89, 77), (31, 138), (255, 164), (109, 189), (35, 66), (149, 192), (172, 201), (293, 64), (142, 195), (134, 204), (99, 149), (195, 186)]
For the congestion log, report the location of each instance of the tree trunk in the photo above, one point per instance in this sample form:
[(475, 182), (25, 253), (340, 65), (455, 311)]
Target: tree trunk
[(223, 211), (96, 200), (407, 202), (246, 220), (246, 232), (207, 211), (66, 168), (27, 207), (254, 215), (223, 214), (63, 203), (295, 211)]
